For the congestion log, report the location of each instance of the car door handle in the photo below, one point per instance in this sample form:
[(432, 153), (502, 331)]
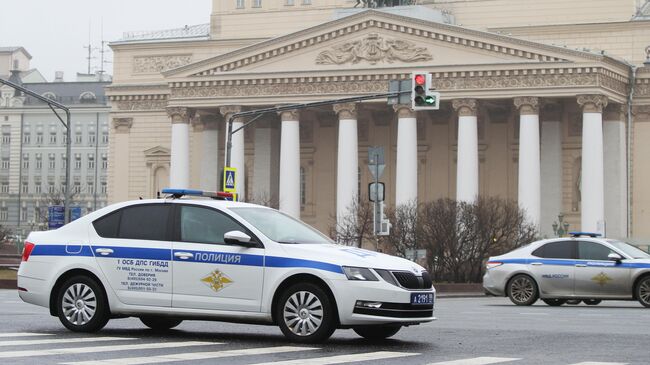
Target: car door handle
[(183, 255), (537, 263), (581, 265), (104, 251)]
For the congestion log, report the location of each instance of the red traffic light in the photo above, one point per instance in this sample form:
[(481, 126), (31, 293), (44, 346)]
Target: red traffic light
[(420, 79)]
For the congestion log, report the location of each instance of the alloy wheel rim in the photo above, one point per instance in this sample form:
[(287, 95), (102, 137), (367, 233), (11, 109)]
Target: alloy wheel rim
[(522, 290), (644, 291), (79, 304), (303, 313)]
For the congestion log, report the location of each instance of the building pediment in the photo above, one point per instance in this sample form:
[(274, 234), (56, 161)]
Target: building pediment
[(157, 151), (374, 40)]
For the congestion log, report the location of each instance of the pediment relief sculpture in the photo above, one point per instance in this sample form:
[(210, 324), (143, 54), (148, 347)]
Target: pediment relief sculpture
[(373, 49)]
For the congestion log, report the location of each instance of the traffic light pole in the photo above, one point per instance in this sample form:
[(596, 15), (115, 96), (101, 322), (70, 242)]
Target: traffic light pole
[(68, 143), (258, 113)]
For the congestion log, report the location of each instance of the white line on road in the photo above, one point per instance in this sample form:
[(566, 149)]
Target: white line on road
[(476, 361), (62, 340), (97, 349), (193, 356), (23, 334), (600, 363), (340, 359)]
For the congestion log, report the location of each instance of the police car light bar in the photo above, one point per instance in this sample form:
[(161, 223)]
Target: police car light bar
[(179, 193), (587, 234)]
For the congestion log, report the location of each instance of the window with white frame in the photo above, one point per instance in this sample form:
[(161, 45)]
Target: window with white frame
[(6, 138), (104, 187), (257, 3), (37, 187), (91, 162), (25, 188), (27, 138), (104, 162), (39, 138), (90, 186), (25, 162), (105, 138), (78, 139), (39, 161), (289, 2), (23, 214), (52, 162), (5, 164), (50, 188), (4, 187), (77, 162), (76, 187), (4, 214), (53, 138), (240, 4), (92, 138)]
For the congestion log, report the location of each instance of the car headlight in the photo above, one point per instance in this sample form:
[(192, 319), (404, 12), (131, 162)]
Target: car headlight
[(359, 273)]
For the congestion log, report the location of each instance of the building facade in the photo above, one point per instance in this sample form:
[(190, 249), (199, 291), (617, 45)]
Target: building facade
[(524, 115), (33, 153)]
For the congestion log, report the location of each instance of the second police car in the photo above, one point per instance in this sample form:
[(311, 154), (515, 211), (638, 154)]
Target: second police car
[(168, 260), (569, 270)]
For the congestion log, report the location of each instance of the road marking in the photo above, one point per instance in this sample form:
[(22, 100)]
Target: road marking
[(62, 340), (600, 363), (23, 334), (193, 356), (97, 349), (476, 361), (340, 359)]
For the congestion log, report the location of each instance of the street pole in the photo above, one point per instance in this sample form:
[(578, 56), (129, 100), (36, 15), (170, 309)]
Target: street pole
[(68, 147)]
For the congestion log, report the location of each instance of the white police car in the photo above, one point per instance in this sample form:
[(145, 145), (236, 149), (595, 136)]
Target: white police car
[(172, 259)]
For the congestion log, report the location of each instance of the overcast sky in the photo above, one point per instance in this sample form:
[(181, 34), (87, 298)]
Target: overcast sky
[(55, 32)]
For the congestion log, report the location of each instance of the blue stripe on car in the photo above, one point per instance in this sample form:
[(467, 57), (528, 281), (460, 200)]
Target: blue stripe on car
[(161, 254)]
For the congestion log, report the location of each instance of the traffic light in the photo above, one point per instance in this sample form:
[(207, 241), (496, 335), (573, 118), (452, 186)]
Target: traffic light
[(423, 97)]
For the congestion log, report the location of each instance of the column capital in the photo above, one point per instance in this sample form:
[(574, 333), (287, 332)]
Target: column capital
[(404, 111), (181, 115), (346, 110), (527, 105), (227, 110), (289, 115), (592, 103), (465, 107), (122, 125)]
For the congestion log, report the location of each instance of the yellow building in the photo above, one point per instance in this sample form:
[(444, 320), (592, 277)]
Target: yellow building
[(542, 102)]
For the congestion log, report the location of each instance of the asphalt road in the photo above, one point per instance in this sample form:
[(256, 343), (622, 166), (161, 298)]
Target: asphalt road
[(469, 331)]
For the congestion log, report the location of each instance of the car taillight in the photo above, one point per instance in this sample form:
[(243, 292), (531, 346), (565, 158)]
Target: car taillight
[(493, 264), (29, 247)]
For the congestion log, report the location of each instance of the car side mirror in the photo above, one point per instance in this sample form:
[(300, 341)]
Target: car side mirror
[(614, 257), (237, 238)]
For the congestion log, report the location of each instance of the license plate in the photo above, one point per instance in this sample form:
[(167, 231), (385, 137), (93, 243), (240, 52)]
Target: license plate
[(422, 298)]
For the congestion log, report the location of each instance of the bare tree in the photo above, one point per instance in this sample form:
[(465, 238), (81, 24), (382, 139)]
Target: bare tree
[(264, 198), (356, 226), (51, 199), (405, 230)]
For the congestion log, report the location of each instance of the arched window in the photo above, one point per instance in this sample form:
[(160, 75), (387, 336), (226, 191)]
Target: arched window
[(87, 97), (50, 95)]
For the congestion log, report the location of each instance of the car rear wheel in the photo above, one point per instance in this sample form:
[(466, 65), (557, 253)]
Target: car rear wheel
[(643, 291), (592, 301), (522, 290), (305, 313), (377, 332), (160, 323), (573, 301), (82, 305), (554, 302)]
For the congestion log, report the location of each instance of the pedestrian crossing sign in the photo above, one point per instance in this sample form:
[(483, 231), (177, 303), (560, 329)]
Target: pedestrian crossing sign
[(229, 179)]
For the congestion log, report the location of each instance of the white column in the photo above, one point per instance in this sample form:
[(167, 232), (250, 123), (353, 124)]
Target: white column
[(529, 158), (347, 172), (592, 178), (467, 165), (290, 164), (551, 168), (210, 151), (179, 176), (237, 156), (406, 176), (615, 163)]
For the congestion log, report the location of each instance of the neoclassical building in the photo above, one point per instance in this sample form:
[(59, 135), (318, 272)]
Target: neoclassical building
[(524, 114)]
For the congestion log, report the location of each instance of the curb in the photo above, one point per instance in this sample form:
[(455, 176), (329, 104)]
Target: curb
[(8, 284)]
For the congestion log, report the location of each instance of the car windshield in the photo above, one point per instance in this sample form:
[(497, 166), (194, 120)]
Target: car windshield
[(280, 227), (629, 250)]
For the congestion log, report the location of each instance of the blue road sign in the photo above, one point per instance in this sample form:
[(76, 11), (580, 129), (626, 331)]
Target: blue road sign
[(229, 178), (75, 213), (56, 216)]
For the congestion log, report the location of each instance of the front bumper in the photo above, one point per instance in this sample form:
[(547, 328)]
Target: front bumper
[(395, 308)]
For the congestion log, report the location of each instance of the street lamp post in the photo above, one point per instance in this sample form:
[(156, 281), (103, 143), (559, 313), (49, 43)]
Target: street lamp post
[(68, 143)]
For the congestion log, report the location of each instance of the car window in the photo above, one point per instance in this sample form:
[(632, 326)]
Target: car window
[(145, 222), (593, 251), (205, 225), (556, 250), (108, 225)]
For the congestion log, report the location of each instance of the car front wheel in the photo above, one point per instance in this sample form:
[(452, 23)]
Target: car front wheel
[(160, 323), (643, 291), (522, 290), (305, 313), (592, 301), (377, 332), (82, 305)]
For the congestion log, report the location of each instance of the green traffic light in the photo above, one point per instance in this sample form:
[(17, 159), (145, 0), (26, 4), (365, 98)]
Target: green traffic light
[(430, 100)]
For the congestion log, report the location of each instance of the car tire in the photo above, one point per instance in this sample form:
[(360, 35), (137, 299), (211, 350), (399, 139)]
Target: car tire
[(554, 302), (81, 305), (376, 333), (160, 323), (592, 301), (642, 291), (522, 290), (573, 301), (305, 313)]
